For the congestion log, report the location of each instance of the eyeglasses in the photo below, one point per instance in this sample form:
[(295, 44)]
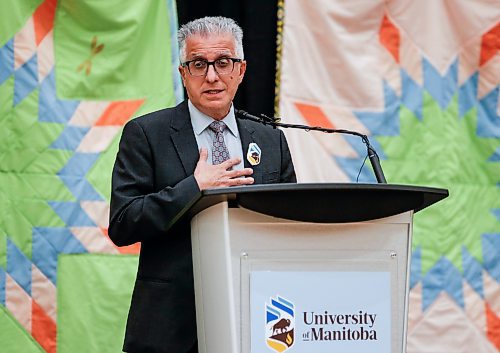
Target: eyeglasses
[(199, 67)]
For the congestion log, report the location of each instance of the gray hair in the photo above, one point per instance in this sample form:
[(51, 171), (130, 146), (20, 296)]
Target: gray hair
[(210, 25)]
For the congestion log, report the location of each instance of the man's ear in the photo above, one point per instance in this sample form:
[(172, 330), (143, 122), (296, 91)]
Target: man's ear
[(182, 71), (243, 69)]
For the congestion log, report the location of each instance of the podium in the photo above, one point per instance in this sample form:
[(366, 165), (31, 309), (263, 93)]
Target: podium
[(304, 268)]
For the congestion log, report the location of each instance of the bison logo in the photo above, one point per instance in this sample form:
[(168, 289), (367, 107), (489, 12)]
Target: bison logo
[(280, 324)]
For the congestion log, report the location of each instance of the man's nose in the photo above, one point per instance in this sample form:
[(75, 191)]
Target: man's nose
[(211, 75)]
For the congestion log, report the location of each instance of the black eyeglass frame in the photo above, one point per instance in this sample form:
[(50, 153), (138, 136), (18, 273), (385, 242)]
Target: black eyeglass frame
[(234, 60)]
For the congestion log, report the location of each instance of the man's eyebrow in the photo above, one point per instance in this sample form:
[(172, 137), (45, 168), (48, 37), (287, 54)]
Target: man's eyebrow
[(222, 54)]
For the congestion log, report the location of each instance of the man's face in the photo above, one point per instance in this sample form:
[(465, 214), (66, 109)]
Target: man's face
[(212, 94)]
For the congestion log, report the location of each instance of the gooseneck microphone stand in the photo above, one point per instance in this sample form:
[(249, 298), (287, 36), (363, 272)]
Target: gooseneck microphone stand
[(275, 122)]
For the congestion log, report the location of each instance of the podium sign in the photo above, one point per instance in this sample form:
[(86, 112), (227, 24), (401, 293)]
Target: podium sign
[(320, 311)]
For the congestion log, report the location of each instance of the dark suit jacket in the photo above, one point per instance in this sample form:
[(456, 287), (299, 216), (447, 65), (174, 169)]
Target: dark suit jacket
[(152, 181)]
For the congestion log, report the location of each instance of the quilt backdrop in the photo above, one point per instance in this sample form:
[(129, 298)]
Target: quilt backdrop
[(421, 78), (72, 72)]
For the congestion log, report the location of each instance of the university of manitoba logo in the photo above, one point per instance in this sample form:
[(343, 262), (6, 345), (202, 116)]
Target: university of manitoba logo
[(280, 324)]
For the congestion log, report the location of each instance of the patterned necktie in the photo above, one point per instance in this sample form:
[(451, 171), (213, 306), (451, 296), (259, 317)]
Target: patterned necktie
[(220, 152)]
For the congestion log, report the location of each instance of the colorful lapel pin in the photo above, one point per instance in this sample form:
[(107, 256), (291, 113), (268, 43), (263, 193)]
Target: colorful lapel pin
[(254, 154)]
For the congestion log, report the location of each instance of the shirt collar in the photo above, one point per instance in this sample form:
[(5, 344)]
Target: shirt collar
[(201, 121)]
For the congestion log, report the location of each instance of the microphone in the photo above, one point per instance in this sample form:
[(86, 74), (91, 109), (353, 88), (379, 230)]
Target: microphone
[(275, 122), (264, 119)]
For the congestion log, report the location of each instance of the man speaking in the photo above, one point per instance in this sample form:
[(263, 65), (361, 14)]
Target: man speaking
[(164, 160)]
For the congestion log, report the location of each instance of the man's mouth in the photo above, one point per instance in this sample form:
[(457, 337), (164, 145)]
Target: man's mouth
[(213, 91)]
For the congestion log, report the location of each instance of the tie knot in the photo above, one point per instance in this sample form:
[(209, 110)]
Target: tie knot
[(217, 126)]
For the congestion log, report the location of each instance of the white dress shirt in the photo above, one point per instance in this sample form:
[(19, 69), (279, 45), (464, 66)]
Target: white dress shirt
[(205, 136)]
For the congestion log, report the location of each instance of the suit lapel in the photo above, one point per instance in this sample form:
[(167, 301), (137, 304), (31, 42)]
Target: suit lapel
[(247, 135), (184, 140)]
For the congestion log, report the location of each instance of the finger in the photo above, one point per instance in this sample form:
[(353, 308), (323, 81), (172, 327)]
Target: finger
[(240, 181), (230, 162), (203, 155), (239, 173)]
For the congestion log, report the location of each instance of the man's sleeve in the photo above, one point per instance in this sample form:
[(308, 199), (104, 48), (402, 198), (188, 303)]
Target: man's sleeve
[(287, 168), (138, 212)]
